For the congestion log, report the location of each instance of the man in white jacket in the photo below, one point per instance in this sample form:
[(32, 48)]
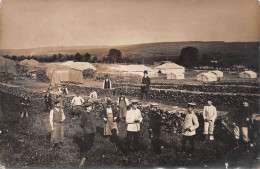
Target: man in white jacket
[(209, 116), (133, 120)]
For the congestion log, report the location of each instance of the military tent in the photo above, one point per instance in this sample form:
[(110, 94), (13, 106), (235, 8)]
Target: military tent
[(217, 73), (170, 68), (248, 75), (79, 65), (206, 77), (175, 75), (7, 66), (134, 69), (30, 62), (59, 73)]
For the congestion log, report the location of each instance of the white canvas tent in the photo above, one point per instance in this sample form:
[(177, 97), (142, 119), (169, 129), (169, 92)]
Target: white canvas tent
[(134, 69), (7, 66), (60, 73), (248, 75), (170, 68), (217, 73), (175, 75), (206, 77), (79, 65)]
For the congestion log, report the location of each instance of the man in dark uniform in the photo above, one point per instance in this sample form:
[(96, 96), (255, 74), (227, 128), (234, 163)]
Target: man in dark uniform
[(48, 101), (88, 125), (25, 105), (107, 86), (241, 122), (145, 86), (155, 122)]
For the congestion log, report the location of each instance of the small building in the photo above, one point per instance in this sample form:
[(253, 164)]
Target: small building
[(248, 75), (206, 77), (175, 75), (217, 73)]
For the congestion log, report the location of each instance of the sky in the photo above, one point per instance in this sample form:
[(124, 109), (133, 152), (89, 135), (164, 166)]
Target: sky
[(40, 23)]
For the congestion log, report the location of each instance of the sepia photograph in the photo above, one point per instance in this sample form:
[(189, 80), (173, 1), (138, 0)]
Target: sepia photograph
[(129, 84)]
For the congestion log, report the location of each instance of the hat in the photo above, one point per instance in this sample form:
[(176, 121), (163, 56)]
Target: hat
[(106, 75), (56, 102), (109, 102), (146, 72), (191, 104), (87, 104), (154, 104), (134, 101)]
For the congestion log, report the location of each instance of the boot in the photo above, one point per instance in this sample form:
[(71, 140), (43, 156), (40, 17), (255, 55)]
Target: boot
[(82, 162), (26, 114), (22, 114)]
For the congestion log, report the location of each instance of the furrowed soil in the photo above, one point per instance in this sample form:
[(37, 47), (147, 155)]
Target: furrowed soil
[(24, 142)]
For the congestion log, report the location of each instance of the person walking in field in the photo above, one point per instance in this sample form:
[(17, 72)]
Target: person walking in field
[(209, 116), (93, 96), (122, 102), (25, 105), (107, 85), (76, 103), (110, 117), (189, 127), (48, 101), (145, 86), (57, 118), (133, 120), (88, 124), (241, 123)]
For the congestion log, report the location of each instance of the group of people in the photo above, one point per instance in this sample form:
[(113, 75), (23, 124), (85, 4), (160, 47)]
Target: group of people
[(128, 112)]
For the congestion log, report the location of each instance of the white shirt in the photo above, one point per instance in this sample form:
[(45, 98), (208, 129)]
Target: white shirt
[(209, 113), (190, 122), (131, 116), (77, 101), (93, 95), (109, 110)]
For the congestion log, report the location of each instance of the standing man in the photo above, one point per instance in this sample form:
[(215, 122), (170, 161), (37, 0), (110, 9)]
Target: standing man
[(122, 102), (48, 101), (145, 86), (133, 120), (209, 116), (88, 124), (76, 104), (241, 122), (155, 122), (25, 105), (190, 125), (107, 86), (57, 117), (93, 96), (110, 116)]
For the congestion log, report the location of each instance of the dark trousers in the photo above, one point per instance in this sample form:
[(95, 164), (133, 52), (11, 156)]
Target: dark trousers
[(107, 92), (132, 141), (48, 106), (144, 92), (191, 140), (88, 143)]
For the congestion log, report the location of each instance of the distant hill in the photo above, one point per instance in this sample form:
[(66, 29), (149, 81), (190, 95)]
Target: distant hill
[(163, 50)]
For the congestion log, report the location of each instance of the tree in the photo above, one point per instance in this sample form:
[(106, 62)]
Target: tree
[(189, 57), (94, 60), (114, 55), (14, 57), (86, 57), (205, 60), (78, 57)]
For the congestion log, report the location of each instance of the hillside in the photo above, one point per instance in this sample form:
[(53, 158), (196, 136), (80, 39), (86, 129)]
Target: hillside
[(248, 51)]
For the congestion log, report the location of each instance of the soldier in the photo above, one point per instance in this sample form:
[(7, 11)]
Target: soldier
[(57, 117), (48, 101), (107, 86), (76, 104), (122, 102), (209, 116), (241, 122), (145, 86), (88, 125), (133, 120), (155, 122), (190, 125), (25, 105), (110, 115)]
